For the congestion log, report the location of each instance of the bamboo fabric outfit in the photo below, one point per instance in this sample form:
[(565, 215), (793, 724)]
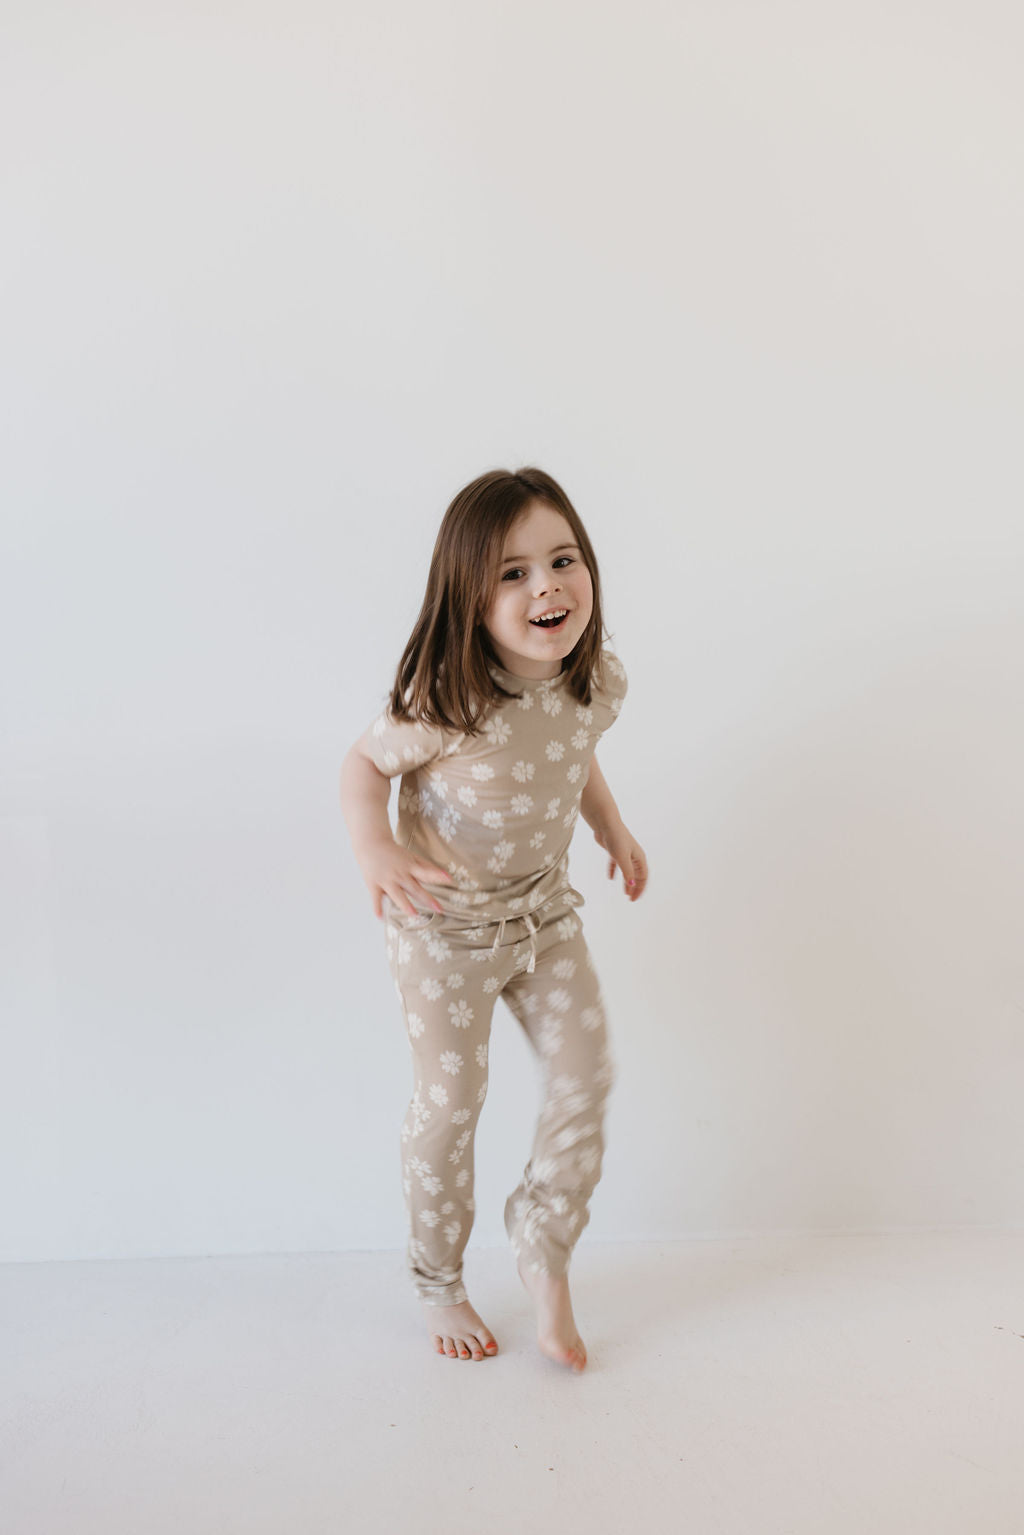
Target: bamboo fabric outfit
[(498, 811)]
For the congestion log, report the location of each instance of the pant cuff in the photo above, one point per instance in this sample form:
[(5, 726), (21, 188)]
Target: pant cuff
[(448, 1291), (442, 1295)]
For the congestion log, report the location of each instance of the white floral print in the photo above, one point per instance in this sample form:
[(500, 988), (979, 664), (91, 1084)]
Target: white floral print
[(447, 823), (550, 1038), (497, 730), (502, 853), (460, 1013)]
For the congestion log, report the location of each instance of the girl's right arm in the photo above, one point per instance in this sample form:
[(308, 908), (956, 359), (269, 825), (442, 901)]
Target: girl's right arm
[(386, 868)]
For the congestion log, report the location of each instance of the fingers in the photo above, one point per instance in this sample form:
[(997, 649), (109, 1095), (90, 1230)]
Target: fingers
[(397, 896), (433, 874), (393, 873), (636, 884), (404, 895), (634, 874)]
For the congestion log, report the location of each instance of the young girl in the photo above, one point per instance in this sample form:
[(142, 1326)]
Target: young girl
[(500, 698)]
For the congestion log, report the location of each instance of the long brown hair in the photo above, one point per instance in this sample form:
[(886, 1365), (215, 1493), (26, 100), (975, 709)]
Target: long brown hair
[(442, 678)]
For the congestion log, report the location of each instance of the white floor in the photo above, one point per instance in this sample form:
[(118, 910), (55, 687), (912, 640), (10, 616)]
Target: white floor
[(769, 1386)]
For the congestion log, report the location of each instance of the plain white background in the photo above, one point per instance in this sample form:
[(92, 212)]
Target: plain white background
[(278, 280)]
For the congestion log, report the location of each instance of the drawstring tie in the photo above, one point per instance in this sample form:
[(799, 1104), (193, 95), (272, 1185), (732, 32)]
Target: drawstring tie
[(533, 926), (571, 899)]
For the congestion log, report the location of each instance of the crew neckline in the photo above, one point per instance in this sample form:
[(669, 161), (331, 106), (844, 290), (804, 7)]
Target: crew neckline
[(506, 678)]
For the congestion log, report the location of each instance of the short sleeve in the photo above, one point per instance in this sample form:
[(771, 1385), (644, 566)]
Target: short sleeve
[(607, 699), (618, 682), (401, 746)]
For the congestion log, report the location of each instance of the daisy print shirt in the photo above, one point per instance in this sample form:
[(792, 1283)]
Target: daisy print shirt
[(498, 810)]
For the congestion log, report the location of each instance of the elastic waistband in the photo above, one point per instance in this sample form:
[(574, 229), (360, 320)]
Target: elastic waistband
[(446, 922)]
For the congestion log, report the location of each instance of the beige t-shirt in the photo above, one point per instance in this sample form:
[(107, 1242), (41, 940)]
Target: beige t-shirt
[(498, 810)]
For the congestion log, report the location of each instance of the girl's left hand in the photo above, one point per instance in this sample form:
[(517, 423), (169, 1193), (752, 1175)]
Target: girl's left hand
[(628, 855)]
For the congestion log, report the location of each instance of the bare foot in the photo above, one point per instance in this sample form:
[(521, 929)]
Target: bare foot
[(556, 1328), (458, 1332)]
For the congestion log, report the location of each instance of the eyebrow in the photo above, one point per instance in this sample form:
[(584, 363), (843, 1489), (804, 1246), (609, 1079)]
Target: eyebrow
[(511, 559)]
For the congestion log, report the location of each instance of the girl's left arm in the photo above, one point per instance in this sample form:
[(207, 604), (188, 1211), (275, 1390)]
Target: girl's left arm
[(599, 810)]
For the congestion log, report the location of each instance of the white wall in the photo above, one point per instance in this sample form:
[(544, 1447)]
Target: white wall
[(278, 280)]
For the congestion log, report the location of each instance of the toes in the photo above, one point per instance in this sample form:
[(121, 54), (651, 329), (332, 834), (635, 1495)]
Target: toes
[(468, 1347), (572, 1354)]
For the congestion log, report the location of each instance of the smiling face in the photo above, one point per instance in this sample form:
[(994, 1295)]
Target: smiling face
[(542, 571)]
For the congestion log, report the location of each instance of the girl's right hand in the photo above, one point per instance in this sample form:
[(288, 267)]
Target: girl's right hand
[(395, 872)]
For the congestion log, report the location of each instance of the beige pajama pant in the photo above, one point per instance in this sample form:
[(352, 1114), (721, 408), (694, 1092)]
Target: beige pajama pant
[(448, 973)]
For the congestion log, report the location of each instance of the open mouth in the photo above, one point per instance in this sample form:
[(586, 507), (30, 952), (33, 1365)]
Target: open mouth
[(549, 623)]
